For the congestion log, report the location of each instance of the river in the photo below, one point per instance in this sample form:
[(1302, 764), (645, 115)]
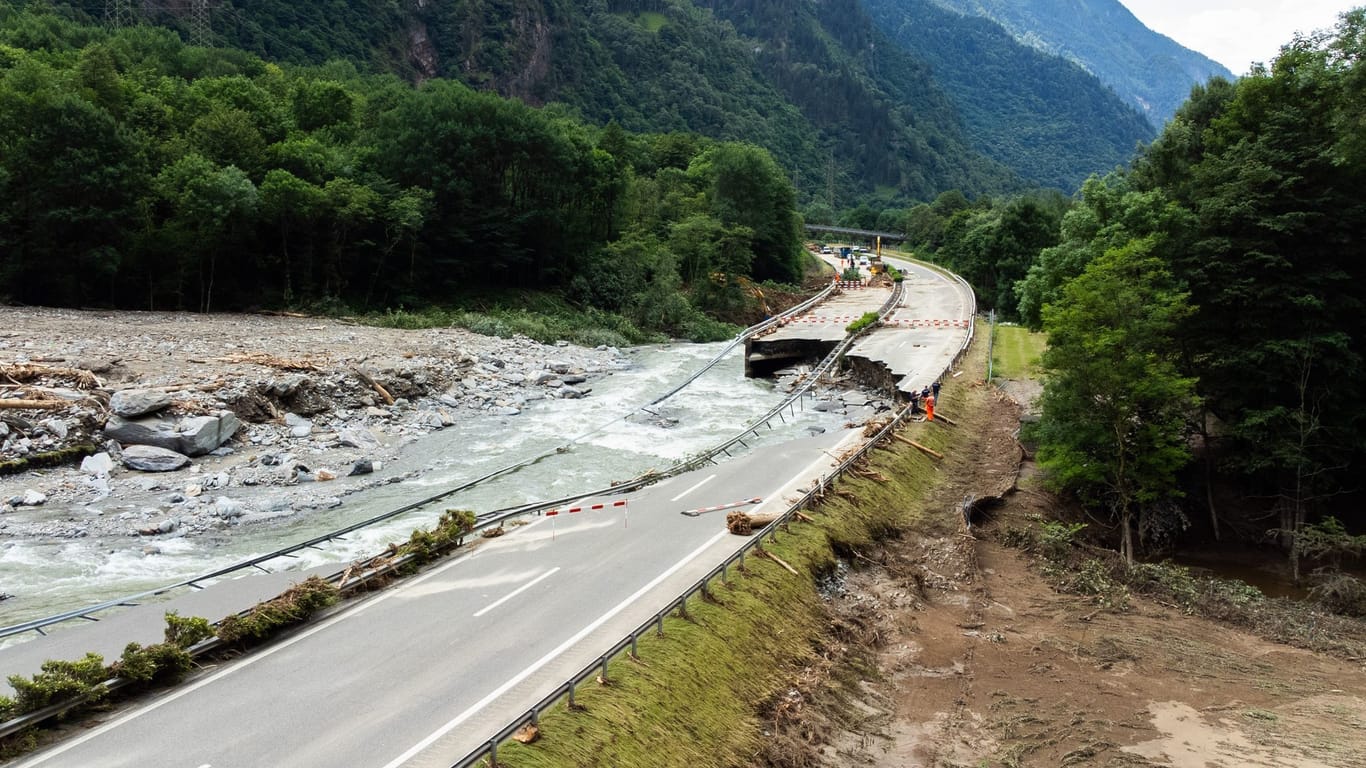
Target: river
[(47, 577)]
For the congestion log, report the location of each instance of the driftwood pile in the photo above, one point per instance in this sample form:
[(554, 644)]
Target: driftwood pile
[(40, 387)]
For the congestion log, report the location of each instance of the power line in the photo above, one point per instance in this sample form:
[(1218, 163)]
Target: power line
[(118, 13)]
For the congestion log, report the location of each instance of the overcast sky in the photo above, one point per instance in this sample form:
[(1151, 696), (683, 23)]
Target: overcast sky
[(1238, 32)]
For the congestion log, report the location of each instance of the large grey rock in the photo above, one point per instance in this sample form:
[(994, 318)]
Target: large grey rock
[(193, 436), (149, 458), (97, 464), (226, 508), (357, 438), (201, 434), (155, 432), (138, 402), (298, 425), (55, 427)]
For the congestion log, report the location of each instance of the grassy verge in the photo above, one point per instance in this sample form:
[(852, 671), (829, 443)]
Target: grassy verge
[(705, 692), (1016, 352)]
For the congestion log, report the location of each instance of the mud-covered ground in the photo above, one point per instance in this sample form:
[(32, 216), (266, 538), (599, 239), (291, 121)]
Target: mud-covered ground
[(979, 661)]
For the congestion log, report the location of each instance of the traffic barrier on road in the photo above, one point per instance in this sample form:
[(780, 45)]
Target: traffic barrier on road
[(700, 510), (589, 508), (625, 512)]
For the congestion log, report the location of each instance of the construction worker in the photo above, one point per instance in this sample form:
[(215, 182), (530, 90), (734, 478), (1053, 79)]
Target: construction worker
[(929, 408)]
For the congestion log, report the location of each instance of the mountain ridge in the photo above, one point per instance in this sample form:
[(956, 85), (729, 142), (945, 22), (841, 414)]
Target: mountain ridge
[(1143, 66)]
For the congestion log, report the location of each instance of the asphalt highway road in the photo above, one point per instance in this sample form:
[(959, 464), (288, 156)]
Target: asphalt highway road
[(421, 673)]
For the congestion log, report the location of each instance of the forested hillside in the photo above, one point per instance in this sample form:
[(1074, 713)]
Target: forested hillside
[(843, 106), (1042, 115), (139, 172), (1149, 70), (1206, 352)]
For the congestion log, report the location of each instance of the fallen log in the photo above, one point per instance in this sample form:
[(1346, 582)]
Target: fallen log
[(776, 559), (370, 381), (918, 446), (941, 417), (743, 524), (34, 404)]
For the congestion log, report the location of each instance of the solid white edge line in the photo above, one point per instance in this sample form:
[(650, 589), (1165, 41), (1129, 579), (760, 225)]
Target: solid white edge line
[(516, 592), (235, 667), (699, 484), (546, 659)]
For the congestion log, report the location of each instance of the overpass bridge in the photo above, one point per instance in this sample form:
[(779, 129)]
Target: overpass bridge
[(868, 233)]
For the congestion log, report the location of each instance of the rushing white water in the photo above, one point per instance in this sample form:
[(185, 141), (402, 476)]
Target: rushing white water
[(47, 577)]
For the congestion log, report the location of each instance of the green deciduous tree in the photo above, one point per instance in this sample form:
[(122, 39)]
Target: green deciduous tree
[(1114, 402)]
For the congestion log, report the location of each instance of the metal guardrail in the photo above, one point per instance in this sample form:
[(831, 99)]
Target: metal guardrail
[(37, 625), (598, 668)]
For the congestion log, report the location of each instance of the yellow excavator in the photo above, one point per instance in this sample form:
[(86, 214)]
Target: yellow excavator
[(722, 278)]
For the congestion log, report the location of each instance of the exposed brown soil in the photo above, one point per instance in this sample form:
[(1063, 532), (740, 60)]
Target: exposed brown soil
[(978, 661)]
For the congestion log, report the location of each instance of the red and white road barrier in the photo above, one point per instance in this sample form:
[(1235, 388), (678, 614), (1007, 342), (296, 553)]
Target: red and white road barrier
[(589, 508), (619, 503), (923, 323), (700, 510)]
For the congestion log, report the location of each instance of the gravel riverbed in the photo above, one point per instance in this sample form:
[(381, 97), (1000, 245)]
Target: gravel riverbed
[(294, 412)]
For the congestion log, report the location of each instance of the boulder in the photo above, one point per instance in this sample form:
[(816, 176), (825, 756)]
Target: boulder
[(225, 507), (362, 467), (129, 403), (154, 432), (298, 425), (150, 458), (55, 427), (33, 498), (97, 464), (357, 438), (201, 434), (430, 420)]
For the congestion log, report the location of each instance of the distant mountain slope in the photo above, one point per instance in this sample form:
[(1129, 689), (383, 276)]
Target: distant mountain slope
[(1042, 115), (845, 108), (1146, 68)]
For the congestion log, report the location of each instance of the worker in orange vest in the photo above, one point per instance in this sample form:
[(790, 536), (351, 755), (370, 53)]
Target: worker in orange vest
[(929, 408)]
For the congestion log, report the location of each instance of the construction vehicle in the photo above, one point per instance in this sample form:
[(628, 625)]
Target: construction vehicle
[(722, 278)]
